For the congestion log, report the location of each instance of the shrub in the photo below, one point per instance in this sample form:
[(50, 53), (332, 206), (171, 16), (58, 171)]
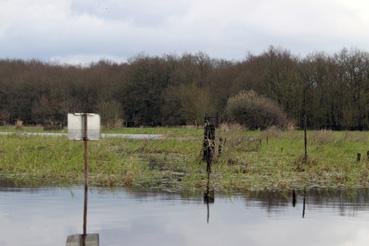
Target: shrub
[(272, 132), (254, 111), (323, 137), (111, 113)]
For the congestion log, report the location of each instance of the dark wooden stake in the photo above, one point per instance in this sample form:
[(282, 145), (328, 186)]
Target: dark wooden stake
[(208, 156), (358, 157), (293, 198), (305, 128), (209, 143), (85, 157), (367, 154), (305, 140)]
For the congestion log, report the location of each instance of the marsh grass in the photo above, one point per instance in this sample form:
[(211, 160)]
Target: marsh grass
[(247, 161)]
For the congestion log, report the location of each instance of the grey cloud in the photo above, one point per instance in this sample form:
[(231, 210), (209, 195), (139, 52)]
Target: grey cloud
[(143, 13), (76, 31)]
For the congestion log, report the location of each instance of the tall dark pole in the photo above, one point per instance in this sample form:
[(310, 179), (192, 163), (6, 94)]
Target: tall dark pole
[(85, 157), (305, 125)]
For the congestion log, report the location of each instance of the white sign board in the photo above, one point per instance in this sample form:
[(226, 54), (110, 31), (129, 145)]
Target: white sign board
[(75, 126)]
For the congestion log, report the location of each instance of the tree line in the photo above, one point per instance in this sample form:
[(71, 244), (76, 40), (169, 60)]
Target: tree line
[(178, 90)]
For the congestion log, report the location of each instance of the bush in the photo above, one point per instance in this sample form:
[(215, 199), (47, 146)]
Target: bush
[(111, 113), (254, 111), (323, 137)]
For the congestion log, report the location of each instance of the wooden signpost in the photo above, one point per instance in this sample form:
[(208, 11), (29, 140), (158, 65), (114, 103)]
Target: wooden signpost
[(85, 127)]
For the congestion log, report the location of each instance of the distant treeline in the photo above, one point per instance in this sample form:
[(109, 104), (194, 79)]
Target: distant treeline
[(178, 90)]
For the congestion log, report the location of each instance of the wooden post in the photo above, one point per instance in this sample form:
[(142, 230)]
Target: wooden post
[(305, 127), (208, 155), (358, 157), (205, 142), (209, 143), (305, 121), (367, 154), (305, 139), (85, 157), (293, 198)]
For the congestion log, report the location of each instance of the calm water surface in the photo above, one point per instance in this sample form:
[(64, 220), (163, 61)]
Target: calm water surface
[(47, 216)]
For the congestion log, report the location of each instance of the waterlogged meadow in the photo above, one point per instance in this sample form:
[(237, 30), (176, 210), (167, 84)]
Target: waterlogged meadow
[(244, 161)]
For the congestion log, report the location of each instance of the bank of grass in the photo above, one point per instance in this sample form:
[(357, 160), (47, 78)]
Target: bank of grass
[(168, 131), (250, 160)]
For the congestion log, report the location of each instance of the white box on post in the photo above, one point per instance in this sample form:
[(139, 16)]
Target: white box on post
[(76, 126)]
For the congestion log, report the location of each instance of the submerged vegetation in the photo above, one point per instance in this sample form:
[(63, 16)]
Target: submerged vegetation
[(249, 160)]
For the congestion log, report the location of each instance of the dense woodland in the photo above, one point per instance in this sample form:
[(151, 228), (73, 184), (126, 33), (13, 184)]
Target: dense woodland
[(179, 90)]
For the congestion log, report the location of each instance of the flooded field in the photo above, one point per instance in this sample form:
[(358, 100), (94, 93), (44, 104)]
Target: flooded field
[(47, 216), (104, 135)]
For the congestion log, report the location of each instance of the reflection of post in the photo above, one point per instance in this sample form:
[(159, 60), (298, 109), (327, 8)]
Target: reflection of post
[(293, 198), (208, 212), (208, 198), (85, 156), (303, 206)]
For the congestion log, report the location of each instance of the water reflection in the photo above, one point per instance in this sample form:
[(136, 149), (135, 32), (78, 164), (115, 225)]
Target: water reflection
[(303, 205), (84, 239), (209, 197), (294, 201), (137, 218), (346, 202)]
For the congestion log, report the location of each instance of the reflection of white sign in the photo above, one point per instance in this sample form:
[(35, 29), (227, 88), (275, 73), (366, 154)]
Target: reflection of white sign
[(77, 240), (75, 126)]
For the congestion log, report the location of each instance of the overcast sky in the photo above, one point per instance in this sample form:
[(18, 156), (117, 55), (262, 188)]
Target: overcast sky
[(80, 31)]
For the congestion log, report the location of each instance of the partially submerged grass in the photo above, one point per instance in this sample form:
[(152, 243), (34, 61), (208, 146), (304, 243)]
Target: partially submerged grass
[(254, 160), (185, 131)]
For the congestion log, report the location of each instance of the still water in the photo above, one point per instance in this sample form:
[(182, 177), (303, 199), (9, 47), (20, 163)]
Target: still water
[(46, 216)]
